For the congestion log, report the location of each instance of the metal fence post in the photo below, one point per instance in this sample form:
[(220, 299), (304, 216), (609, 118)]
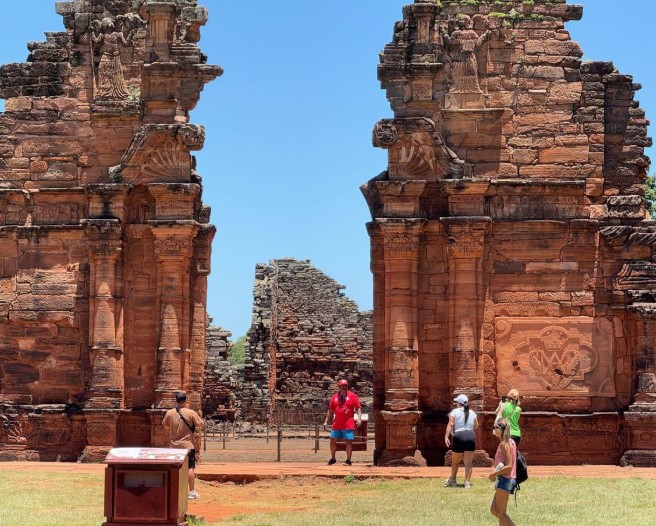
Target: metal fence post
[(316, 437), (225, 431), (279, 442), (205, 436)]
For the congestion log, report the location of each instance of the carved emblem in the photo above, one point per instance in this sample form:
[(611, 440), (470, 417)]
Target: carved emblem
[(557, 358), (13, 429), (105, 248), (385, 134)]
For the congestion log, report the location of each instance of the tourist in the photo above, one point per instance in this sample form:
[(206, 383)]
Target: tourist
[(510, 409), (462, 428), (505, 472), (342, 409), (182, 423)]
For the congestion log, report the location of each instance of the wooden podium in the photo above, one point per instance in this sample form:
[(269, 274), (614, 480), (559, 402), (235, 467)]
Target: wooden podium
[(359, 439), (146, 486)]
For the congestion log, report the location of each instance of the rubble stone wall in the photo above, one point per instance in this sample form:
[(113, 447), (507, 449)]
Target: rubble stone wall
[(222, 379), (305, 336)]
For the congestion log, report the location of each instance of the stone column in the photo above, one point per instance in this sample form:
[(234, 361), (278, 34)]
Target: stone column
[(160, 15), (105, 314), (466, 294), (102, 434), (173, 249), (401, 405), (641, 416), (201, 261)]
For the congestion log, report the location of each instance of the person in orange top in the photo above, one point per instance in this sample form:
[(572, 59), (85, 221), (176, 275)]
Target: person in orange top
[(182, 422)]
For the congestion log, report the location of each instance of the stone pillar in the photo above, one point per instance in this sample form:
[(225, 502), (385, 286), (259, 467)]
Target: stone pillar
[(641, 416), (105, 314), (466, 295), (401, 405), (160, 15), (201, 261), (173, 249)]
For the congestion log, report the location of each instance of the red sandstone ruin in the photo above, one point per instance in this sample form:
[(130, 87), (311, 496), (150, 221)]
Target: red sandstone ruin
[(510, 245), (104, 240)]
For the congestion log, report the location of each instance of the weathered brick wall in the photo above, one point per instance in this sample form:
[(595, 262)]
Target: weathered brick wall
[(305, 336), (104, 240), (510, 240), (222, 380)]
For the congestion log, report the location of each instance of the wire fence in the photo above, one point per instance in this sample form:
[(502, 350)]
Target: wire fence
[(289, 436)]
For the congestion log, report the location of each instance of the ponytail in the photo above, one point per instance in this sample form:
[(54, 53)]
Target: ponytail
[(465, 408)]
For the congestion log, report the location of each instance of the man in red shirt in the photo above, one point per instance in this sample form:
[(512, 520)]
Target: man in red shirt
[(341, 408)]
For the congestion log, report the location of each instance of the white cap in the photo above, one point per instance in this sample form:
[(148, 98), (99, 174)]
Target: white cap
[(461, 399)]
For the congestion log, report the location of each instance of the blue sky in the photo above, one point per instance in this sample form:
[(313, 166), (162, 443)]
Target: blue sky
[(289, 125)]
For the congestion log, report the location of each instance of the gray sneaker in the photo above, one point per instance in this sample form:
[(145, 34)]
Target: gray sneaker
[(193, 495), (450, 483)]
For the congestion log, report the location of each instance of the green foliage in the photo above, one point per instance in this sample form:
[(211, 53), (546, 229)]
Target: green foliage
[(350, 479), (237, 354), (195, 521), (650, 195)]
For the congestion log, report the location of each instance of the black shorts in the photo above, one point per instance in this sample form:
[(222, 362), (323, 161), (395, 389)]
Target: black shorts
[(464, 441), (516, 439), (192, 458)]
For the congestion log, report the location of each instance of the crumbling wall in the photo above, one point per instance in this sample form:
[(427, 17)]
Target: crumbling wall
[(222, 379), (104, 239), (305, 336)]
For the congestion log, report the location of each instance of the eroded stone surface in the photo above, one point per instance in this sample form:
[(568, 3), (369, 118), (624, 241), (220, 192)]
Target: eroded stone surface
[(510, 243), (305, 336), (104, 241)]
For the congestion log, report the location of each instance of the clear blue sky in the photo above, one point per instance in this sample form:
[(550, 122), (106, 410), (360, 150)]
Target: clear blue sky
[(289, 125)]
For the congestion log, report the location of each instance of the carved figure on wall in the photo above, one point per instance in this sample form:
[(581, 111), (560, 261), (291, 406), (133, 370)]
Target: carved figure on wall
[(461, 46), (110, 83)]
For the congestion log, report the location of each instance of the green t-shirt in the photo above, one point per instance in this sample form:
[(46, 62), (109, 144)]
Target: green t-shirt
[(511, 412)]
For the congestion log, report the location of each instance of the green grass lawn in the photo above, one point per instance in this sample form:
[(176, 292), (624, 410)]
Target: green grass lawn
[(49, 499)]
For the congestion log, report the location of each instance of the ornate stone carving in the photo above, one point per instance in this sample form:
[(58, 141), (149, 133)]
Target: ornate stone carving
[(173, 246), (160, 153), (401, 246), (109, 83), (556, 356), (416, 150), (466, 243)]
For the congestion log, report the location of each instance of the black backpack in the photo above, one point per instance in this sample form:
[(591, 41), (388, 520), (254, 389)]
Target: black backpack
[(521, 472)]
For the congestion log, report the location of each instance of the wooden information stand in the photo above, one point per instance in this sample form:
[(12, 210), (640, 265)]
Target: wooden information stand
[(146, 486), (360, 438)]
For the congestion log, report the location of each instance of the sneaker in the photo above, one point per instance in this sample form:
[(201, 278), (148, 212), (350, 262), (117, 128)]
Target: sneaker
[(467, 485), (193, 495), (347, 462), (332, 461), (450, 483)]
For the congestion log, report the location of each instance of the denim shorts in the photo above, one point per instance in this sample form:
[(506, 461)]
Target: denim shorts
[(345, 434), (506, 484)]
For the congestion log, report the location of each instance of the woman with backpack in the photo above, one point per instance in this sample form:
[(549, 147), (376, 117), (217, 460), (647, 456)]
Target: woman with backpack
[(505, 472), (462, 428), (509, 409)]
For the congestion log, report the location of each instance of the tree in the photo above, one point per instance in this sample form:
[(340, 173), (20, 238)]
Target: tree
[(237, 352), (650, 195)]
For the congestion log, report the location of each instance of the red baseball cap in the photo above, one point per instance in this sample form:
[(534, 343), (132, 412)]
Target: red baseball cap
[(342, 382)]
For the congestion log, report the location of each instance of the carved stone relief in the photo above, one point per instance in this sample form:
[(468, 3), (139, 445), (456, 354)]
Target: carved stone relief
[(571, 356)]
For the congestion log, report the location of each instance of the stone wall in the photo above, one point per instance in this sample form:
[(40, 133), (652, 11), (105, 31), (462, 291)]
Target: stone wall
[(104, 239), (222, 380), (510, 243), (305, 336)]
